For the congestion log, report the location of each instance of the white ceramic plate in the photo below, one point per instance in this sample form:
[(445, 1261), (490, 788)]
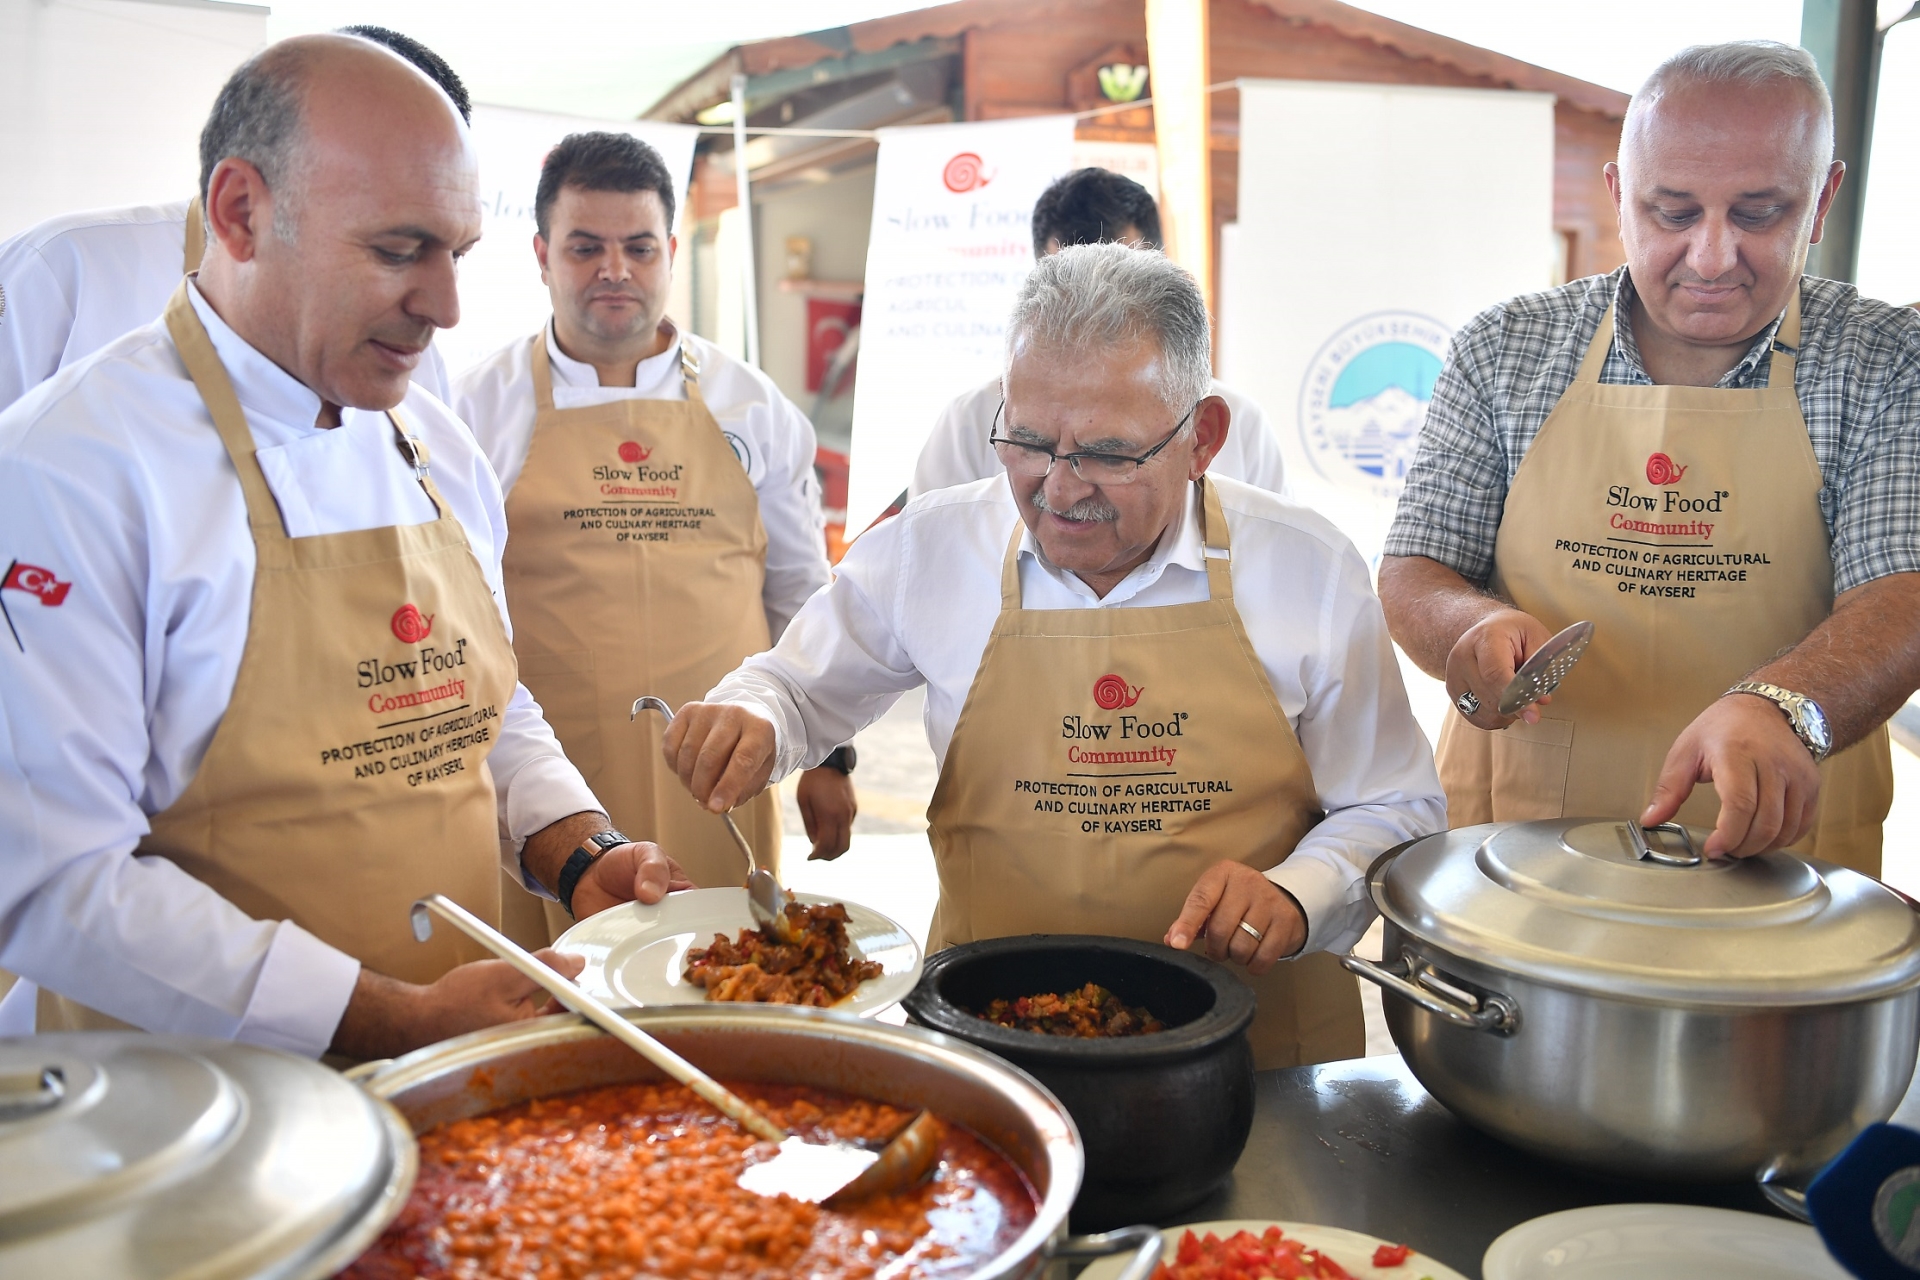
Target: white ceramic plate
[(635, 953), (1350, 1249), (1659, 1242)]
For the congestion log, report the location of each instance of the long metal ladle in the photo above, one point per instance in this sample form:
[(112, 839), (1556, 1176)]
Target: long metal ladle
[(823, 1173), (764, 896)]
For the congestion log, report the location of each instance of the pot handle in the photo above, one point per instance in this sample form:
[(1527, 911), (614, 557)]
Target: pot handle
[(1492, 1012), (1789, 1200), (361, 1072), (1143, 1240)]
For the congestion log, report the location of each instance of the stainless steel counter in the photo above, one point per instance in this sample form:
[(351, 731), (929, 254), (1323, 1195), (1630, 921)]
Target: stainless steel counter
[(1359, 1144)]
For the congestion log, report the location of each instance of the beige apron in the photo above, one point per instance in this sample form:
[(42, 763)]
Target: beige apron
[(196, 236), (636, 564), (348, 776), (1103, 760), (1685, 523)]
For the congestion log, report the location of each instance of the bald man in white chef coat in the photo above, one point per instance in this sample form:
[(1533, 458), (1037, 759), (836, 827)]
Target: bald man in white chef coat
[(258, 678), (74, 283)]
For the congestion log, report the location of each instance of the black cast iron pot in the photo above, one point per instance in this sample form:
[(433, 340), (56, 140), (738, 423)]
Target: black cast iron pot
[(1164, 1117)]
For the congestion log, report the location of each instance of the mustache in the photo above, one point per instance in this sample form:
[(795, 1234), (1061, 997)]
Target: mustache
[(1088, 509)]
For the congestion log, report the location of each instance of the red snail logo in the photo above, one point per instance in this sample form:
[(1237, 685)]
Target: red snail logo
[(1660, 469), (410, 626), (965, 172), (1110, 693), (631, 452)]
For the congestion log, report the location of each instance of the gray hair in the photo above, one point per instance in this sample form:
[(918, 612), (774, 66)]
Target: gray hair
[(1747, 64), (1092, 295), (257, 118)]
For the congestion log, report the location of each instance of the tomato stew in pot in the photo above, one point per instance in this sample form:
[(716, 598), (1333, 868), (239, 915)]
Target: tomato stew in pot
[(641, 1180)]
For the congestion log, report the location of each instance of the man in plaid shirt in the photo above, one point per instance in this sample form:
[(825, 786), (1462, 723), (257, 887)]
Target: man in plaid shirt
[(1712, 457)]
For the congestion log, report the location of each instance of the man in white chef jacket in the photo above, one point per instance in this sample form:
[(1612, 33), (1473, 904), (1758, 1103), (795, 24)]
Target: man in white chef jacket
[(1164, 705), (1087, 206), (606, 419), (141, 492), (74, 283)]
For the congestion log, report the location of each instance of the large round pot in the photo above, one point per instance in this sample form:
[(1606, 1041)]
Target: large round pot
[(900, 1065), (1164, 1116), (1607, 997), (141, 1156)]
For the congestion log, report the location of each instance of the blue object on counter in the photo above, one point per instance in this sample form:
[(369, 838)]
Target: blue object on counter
[(1866, 1204)]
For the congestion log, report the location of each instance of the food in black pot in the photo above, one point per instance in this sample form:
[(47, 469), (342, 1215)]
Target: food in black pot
[(1165, 1116)]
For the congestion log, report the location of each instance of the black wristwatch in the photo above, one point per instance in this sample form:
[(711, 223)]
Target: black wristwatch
[(841, 758), (579, 860)]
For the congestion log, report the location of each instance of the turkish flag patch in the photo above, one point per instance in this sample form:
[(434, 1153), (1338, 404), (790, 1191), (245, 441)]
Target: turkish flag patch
[(35, 581)]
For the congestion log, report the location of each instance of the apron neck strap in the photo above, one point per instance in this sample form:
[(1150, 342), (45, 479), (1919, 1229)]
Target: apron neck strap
[(414, 450), (210, 378), (690, 372), (216, 390), (1786, 346), (196, 236), (1216, 550), (1216, 546), (542, 375)]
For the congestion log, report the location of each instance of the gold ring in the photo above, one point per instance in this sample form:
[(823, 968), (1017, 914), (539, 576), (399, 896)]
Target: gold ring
[(1257, 935)]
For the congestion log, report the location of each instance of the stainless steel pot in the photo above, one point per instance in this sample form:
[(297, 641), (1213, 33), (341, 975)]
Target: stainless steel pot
[(1607, 997), (140, 1157), (904, 1066)]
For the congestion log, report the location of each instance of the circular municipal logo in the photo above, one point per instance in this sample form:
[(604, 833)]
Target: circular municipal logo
[(1365, 396), (1896, 1215), (740, 450)]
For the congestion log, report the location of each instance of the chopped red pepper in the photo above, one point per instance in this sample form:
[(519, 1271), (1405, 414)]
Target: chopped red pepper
[(1391, 1255), (1244, 1256)]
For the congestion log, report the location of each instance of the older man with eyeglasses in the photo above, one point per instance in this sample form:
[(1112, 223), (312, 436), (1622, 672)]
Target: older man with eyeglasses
[(1165, 706)]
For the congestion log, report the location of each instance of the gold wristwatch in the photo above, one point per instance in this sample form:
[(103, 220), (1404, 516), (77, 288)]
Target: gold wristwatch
[(1803, 713)]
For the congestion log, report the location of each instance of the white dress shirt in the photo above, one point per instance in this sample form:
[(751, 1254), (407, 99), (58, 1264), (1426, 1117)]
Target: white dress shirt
[(72, 284), (772, 438), (958, 453), (113, 477), (915, 598)]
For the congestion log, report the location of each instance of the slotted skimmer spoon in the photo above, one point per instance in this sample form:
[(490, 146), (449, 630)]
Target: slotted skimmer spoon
[(1542, 673), (821, 1173), (764, 896)]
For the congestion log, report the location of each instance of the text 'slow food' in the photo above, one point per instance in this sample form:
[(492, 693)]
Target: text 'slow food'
[(1090, 1013), (639, 1180), (810, 962)]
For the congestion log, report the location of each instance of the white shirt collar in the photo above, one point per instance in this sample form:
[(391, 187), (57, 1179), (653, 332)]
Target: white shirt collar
[(1182, 550), (569, 372), (263, 387)]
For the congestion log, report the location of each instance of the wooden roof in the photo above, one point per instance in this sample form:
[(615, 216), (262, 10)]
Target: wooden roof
[(944, 23)]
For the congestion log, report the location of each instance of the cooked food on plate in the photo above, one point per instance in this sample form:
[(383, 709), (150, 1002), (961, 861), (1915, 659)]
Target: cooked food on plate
[(810, 962), (1091, 1013), (642, 1180)]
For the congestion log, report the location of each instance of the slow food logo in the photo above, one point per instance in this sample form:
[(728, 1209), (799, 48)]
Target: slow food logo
[(966, 172), (1111, 692), (631, 451), (410, 626), (1661, 469)]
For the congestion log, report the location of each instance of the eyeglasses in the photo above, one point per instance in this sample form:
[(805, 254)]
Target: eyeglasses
[(1095, 468)]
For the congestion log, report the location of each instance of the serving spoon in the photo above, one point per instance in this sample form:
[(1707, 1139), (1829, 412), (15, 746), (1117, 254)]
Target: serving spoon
[(764, 896), (832, 1174)]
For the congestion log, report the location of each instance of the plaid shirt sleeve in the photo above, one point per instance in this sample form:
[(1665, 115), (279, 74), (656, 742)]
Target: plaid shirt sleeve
[(1456, 488), (1867, 400)]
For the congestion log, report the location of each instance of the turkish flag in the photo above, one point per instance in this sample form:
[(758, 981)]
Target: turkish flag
[(37, 581)]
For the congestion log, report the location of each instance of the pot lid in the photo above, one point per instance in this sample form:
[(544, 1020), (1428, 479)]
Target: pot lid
[(126, 1154), (1575, 902)]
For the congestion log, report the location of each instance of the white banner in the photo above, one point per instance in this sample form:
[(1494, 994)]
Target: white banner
[(501, 296), (1374, 221), (952, 240)]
